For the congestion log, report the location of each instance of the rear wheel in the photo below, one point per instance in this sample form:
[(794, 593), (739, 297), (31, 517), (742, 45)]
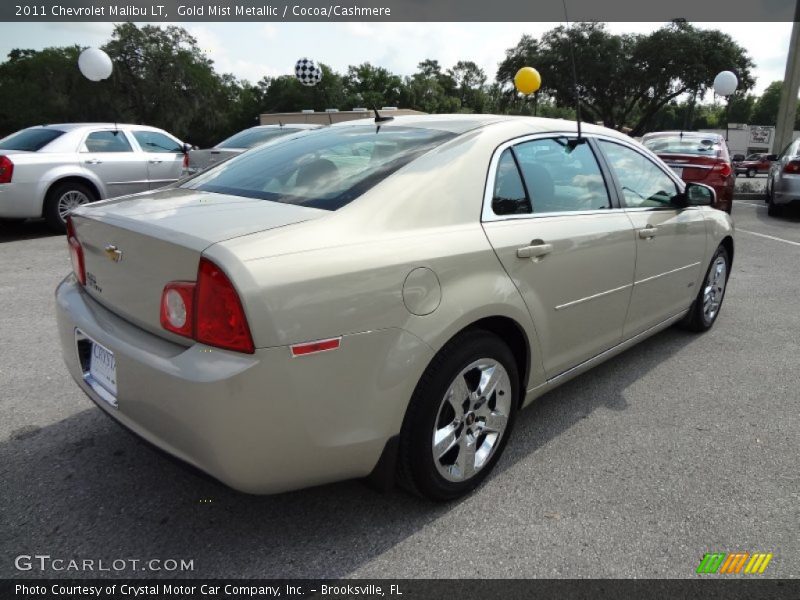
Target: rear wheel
[(62, 199), (459, 418), (706, 307)]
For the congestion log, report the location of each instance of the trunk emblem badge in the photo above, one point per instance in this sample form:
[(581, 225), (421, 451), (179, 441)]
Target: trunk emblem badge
[(113, 253)]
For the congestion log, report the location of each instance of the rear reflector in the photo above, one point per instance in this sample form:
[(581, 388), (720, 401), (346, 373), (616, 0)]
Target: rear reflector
[(6, 169), (317, 346), (75, 253), (177, 308), (792, 167)]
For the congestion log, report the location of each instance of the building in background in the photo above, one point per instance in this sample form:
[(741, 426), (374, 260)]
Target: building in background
[(750, 139)]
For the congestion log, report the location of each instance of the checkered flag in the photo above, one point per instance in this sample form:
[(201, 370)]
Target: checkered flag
[(307, 72)]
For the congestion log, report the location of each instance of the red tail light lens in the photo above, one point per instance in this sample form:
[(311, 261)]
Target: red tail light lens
[(723, 169), (6, 169), (792, 167), (220, 320), (185, 160), (177, 308), (75, 253)]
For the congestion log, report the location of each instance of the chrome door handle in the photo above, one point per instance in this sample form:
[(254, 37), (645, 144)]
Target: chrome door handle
[(155, 161), (536, 249), (93, 161), (648, 232)]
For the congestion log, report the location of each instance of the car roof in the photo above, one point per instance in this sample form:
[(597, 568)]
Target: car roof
[(458, 123), (77, 126), (289, 126)]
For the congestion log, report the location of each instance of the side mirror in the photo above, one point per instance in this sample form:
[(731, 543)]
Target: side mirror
[(772, 157), (699, 194), (187, 148)]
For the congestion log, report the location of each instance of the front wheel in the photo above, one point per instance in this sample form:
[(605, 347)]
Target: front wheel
[(705, 309), (62, 199), (459, 418)]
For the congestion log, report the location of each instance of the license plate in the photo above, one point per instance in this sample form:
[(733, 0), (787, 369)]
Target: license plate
[(678, 171), (103, 370)]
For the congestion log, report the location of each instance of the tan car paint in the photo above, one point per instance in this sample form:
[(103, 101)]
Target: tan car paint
[(269, 422)]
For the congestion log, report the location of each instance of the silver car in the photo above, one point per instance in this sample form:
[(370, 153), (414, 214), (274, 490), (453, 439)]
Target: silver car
[(48, 171), (381, 298), (240, 142), (783, 180)]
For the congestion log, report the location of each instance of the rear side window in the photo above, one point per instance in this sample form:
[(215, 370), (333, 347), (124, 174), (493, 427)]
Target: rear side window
[(255, 137), (152, 141), (30, 140), (107, 141), (509, 192), (326, 169)]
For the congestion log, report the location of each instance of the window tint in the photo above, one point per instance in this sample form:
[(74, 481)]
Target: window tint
[(509, 194), (559, 179), (253, 137), (152, 141), (643, 183), (325, 169), (30, 140), (107, 141)]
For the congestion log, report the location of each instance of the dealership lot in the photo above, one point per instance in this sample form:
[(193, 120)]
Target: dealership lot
[(682, 445)]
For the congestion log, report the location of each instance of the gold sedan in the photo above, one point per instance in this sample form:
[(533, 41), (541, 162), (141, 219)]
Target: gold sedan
[(381, 298)]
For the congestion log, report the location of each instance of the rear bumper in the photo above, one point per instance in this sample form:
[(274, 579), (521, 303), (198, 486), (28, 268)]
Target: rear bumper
[(19, 201), (787, 191), (261, 423)]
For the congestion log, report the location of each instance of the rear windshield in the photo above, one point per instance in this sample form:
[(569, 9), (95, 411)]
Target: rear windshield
[(253, 137), (684, 145), (30, 140), (326, 169)]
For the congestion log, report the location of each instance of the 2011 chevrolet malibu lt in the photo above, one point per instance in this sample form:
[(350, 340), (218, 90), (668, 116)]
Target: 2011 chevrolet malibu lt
[(381, 298)]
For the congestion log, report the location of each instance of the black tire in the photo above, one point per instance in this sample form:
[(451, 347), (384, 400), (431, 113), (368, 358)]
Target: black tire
[(751, 173), (417, 469), (773, 210), (52, 214), (696, 319)]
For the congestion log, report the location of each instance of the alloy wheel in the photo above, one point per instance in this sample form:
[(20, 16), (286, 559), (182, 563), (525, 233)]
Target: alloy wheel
[(69, 201), (715, 288)]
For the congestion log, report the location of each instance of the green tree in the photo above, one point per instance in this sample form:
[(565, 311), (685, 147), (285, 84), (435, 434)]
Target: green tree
[(469, 81), (765, 111), (370, 86)]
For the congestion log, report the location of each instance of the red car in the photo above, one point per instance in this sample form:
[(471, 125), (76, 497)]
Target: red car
[(753, 164), (697, 157)]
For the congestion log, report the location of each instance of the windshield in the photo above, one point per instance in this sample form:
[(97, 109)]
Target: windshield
[(684, 145), (325, 169), (30, 140), (255, 136)]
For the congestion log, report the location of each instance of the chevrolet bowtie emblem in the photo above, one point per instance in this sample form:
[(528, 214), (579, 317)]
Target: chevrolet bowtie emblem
[(113, 253)]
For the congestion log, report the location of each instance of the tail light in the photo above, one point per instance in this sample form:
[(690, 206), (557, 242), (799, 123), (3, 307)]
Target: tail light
[(75, 253), (208, 311), (723, 168), (792, 167), (6, 169), (185, 160)]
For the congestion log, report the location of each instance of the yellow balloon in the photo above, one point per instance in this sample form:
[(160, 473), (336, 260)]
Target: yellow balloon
[(527, 80)]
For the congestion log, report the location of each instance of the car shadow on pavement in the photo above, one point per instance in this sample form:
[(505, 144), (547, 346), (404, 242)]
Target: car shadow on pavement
[(25, 230), (82, 488)]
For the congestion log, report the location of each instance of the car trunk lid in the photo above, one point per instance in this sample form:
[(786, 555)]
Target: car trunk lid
[(691, 167), (134, 246)]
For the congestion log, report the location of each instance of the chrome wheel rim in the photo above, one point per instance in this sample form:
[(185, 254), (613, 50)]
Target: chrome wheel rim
[(715, 288), (472, 419), (69, 201)]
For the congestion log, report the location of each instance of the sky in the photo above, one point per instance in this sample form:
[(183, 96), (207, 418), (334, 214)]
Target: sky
[(254, 50)]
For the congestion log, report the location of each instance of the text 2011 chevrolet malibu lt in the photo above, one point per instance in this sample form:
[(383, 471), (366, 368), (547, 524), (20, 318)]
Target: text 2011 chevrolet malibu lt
[(381, 297)]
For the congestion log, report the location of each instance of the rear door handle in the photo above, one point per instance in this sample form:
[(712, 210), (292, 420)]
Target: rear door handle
[(648, 232), (155, 161), (93, 161), (536, 249)]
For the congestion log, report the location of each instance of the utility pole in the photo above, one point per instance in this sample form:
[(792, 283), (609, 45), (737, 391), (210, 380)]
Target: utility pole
[(787, 111)]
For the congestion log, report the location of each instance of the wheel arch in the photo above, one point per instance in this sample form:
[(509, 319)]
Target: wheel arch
[(727, 243), (71, 178)]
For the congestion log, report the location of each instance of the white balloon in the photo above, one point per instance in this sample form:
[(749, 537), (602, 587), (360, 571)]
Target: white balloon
[(725, 83), (95, 64)]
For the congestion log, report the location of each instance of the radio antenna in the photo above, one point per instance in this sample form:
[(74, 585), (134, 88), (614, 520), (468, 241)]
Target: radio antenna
[(579, 139)]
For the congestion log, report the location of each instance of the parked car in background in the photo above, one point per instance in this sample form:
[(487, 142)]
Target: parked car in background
[(240, 142), (783, 180), (753, 165), (697, 157), (381, 298), (49, 170)]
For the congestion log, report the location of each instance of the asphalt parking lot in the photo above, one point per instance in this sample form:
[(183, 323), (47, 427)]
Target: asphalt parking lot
[(683, 445)]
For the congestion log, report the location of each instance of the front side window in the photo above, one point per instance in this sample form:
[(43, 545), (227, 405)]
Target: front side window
[(326, 169), (643, 183), (106, 141), (250, 138), (152, 141)]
